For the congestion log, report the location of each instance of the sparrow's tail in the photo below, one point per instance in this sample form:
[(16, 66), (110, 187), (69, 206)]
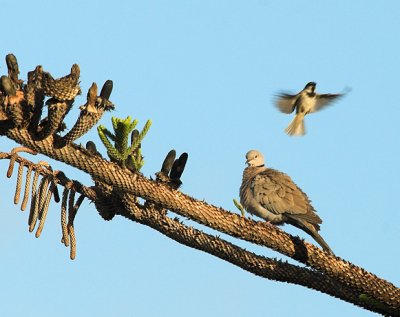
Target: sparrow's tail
[(296, 127)]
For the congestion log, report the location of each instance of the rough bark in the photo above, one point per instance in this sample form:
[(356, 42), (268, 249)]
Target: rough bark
[(155, 217), (116, 189)]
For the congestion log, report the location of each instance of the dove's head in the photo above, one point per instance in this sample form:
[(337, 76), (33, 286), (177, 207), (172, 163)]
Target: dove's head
[(310, 87), (254, 158)]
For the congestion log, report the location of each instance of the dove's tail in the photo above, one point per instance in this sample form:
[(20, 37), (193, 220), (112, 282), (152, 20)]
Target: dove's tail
[(312, 230), (317, 237), (296, 127)]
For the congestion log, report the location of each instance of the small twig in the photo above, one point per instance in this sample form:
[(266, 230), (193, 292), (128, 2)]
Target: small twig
[(65, 237), (239, 206), (43, 195), (27, 189), (19, 183), (11, 166), (56, 193), (78, 203), (72, 211), (23, 149), (71, 231), (71, 201), (70, 225), (38, 202), (45, 209), (33, 196)]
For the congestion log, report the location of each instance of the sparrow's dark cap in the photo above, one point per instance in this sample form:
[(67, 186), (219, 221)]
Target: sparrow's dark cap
[(311, 84)]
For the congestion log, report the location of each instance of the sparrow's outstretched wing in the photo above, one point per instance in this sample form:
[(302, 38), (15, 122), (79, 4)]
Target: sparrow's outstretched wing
[(285, 102), (324, 100)]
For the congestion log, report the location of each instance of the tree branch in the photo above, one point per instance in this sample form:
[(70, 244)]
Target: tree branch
[(151, 216), (116, 189), (260, 233)]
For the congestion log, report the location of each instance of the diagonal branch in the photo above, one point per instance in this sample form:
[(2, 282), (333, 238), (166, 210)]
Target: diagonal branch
[(265, 267), (116, 190), (217, 218), (261, 266)]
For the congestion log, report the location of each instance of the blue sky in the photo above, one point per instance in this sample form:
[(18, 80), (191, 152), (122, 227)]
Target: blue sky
[(206, 72)]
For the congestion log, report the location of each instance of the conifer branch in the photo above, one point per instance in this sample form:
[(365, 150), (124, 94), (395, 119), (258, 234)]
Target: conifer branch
[(111, 151), (117, 188)]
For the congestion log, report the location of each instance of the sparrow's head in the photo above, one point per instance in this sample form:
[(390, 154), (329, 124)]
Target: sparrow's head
[(254, 158), (310, 87)]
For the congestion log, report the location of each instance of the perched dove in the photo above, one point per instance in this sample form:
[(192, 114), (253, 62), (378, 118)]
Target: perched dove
[(273, 196), (305, 102)]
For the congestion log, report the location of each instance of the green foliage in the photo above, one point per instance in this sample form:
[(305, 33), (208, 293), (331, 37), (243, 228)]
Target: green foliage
[(240, 207), (120, 152), (136, 141), (103, 134)]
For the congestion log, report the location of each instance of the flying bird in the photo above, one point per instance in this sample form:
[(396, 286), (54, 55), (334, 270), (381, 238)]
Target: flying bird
[(305, 102), (273, 196)]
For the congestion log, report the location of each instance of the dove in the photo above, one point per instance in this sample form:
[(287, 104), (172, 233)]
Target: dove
[(305, 102), (272, 195)]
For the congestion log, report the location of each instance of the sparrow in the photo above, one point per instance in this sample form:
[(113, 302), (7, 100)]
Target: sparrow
[(305, 102)]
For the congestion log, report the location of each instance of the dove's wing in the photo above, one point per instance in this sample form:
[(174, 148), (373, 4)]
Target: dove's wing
[(276, 192), (324, 100), (285, 102)]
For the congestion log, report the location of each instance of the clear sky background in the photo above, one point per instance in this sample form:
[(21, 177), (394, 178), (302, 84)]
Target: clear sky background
[(206, 72)]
